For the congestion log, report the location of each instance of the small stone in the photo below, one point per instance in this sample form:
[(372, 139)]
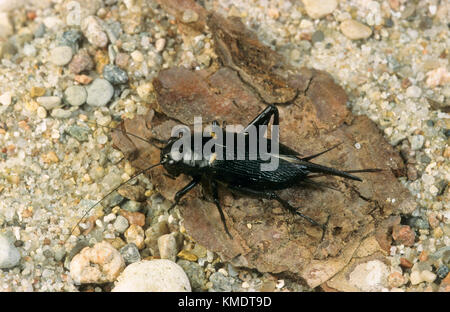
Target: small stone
[(99, 92), (9, 254), (160, 44), (136, 218), (71, 38), (75, 95), (50, 157), (6, 28), (101, 59), (83, 79), (137, 56), (130, 253), (355, 30), (317, 36), (186, 255), (415, 278), (99, 264), (49, 102), (135, 234), (318, 9), (122, 59), (442, 271), (93, 31), (61, 113), (437, 77), (167, 246), (153, 276), (133, 192), (121, 224), (41, 112), (81, 134), (405, 263), (114, 74), (189, 16), (82, 61), (37, 91), (144, 90), (370, 276), (403, 234), (199, 251), (423, 256), (427, 276), (132, 206), (5, 99), (413, 92), (61, 55), (195, 274), (417, 142), (438, 233), (395, 279)]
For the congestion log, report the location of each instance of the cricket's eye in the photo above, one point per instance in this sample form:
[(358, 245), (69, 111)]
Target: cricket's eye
[(171, 162)]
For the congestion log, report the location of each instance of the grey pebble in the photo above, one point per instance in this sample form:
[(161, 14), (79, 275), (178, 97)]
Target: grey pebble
[(121, 224), (99, 92), (81, 134), (93, 31), (195, 274), (71, 38), (442, 271), (130, 253), (75, 95), (49, 102), (317, 36), (61, 55), (221, 282), (40, 31), (114, 74)]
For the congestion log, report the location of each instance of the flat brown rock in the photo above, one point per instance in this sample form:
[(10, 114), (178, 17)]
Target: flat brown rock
[(312, 118)]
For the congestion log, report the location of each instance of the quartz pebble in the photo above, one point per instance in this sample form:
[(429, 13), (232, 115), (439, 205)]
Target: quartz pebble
[(5, 99), (355, 30), (417, 142), (130, 253), (413, 92), (93, 31), (6, 28), (318, 9), (370, 276), (99, 264), (153, 276), (160, 44), (75, 95), (9, 255), (99, 92), (135, 234), (61, 55)]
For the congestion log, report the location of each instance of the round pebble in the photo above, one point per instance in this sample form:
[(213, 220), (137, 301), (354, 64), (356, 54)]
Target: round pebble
[(9, 255), (160, 44), (167, 246), (115, 75), (153, 276), (413, 92), (355, 30), (61, 55), (75, 95), (121, 224), (130, 253), (417, 142), (415, 278), (318, 9), (99, 92)]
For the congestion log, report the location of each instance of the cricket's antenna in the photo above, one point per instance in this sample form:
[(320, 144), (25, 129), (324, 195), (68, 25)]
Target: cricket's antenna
[(150, 141), (112, 191)]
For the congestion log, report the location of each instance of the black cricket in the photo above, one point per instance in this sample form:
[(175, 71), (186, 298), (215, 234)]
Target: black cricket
[(244, 176)]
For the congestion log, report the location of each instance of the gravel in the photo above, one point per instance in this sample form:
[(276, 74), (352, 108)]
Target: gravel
[(9, 255), (115, 75), (75, 95), (61, 55)]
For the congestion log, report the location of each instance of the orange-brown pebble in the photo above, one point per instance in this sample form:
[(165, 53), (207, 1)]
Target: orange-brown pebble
[(403, 234), (423, 256), (405, 263), (83, 79), (136, 218), (101, 59), (50, 157)]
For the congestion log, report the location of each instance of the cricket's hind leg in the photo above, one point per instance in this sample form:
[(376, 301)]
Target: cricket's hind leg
[(217, 202), (273, 195)]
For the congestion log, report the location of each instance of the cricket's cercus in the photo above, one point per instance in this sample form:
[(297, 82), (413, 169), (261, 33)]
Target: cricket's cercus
[(245, 162)]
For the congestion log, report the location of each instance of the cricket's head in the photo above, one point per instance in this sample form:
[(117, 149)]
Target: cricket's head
[(171, 157)]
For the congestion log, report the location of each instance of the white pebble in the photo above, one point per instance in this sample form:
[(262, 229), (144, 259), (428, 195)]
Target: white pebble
[(355, 30), (61, 55), (153, 276), (413, 92), (427, 276), (49, 102), (160, 44), (318, 9), (137, 56), (415, 278), (5, 98), (9, 255)]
